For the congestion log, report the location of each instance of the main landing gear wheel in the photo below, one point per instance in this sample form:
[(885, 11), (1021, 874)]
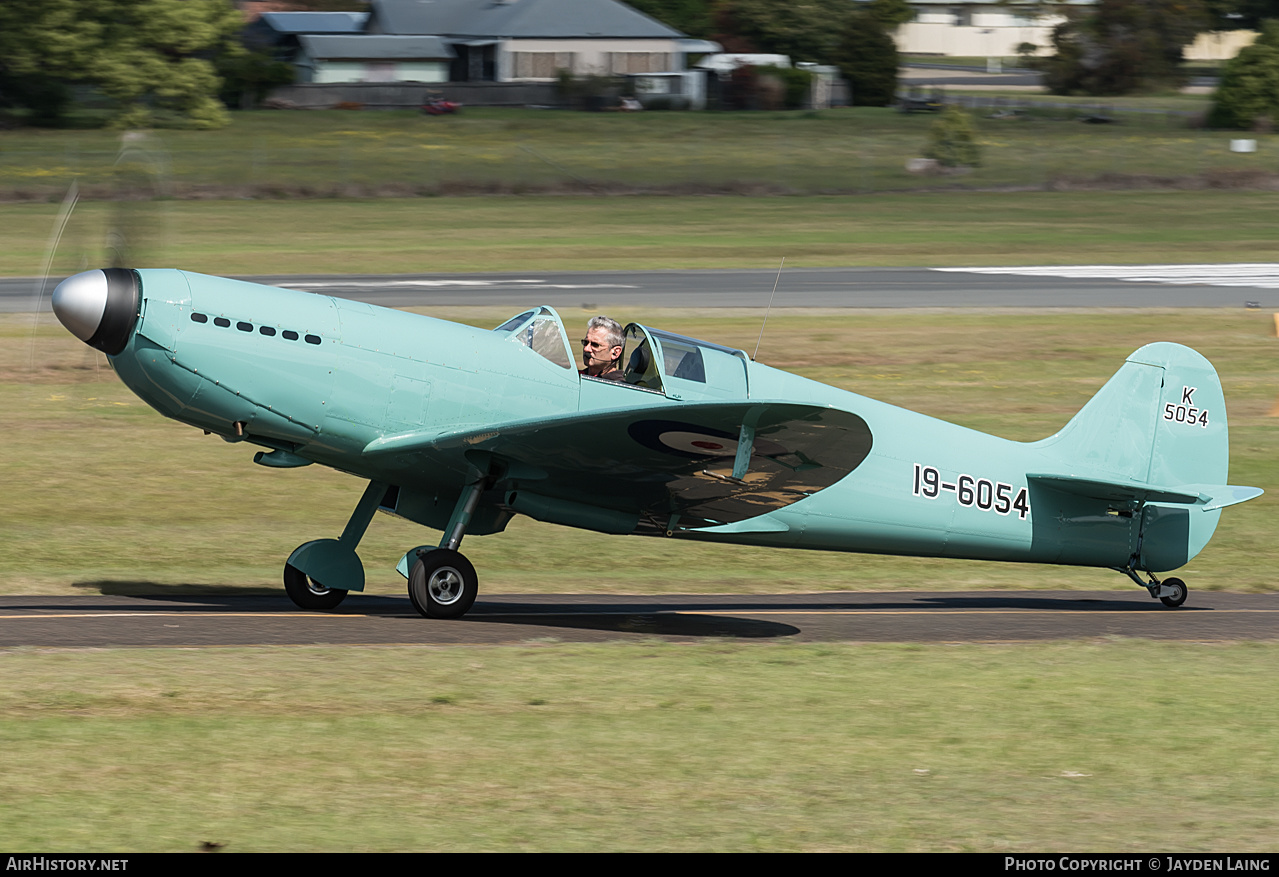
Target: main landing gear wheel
[(309, 594), (1179, 590), (443, 584)]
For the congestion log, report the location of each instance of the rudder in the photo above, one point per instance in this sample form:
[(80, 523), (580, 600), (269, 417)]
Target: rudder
[(1192, 442), (1161, 419)]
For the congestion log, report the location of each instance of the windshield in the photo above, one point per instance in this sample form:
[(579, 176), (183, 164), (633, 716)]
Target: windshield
[(540, 331)]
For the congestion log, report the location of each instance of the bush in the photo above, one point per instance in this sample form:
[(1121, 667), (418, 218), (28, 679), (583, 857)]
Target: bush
[(664, 102), (248, 77), (591, 92), (1248, 94), (867, 56), (797, 84), (952, 140)]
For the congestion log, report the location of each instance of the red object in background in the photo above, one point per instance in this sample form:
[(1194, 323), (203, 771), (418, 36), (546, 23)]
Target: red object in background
[(438, 107)]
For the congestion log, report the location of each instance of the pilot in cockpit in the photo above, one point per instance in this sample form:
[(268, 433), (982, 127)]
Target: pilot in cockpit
[(602, 349)]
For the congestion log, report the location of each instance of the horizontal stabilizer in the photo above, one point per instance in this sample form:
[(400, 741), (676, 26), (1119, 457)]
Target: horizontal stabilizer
[(1209, 496), (1119, 491), (1229, 494)]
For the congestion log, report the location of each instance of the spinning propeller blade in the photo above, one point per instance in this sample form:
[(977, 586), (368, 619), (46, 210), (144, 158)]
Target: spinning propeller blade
[(130, 233)]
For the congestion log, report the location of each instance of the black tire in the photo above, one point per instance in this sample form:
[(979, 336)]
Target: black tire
[(1177, 598), (309, 594), (443, 584)]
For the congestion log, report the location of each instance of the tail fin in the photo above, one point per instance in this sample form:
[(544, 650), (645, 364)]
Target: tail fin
[(1160, 420), (1154, 436)]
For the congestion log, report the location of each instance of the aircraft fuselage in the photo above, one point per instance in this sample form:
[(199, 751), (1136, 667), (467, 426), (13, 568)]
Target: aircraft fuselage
[(319, 379)]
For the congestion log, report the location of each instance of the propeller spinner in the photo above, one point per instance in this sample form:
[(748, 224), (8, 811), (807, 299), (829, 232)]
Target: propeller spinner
[(100, 307)]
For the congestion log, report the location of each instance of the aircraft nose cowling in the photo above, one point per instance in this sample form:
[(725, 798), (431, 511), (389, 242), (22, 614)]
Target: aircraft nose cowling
[(100, 307)]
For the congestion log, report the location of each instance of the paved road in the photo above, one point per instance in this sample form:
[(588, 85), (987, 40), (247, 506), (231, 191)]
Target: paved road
[(1133, 286), (953, 77), (979, 616)]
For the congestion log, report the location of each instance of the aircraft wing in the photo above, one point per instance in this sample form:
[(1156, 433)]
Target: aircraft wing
[(706, 463)]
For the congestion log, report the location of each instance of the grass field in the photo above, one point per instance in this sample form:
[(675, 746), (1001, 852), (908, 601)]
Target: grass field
[(652, 232), (330, 153), (1107, 745), (1062, 747)]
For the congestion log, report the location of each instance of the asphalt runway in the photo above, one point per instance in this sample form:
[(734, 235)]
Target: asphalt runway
[(976, 616), (1127, 286)]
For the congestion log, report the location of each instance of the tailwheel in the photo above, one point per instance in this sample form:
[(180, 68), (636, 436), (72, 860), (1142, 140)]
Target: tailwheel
[(309, 594), (1178, 594), (443, 584)]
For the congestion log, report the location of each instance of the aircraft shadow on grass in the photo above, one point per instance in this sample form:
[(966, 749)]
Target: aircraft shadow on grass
[(269, 599), (652, 617), (643, 616)]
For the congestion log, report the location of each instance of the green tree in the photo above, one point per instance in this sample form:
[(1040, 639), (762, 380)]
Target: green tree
[(1120, 46), (330, 5), (247, 77), (1241, 14), (152, 57), (892, 14), (852, 36), (692, 17), (1249, 87), (803, 31), (867, 56)]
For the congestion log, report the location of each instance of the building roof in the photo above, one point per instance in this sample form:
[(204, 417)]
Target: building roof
[(315, 22), (522, 19), (366, 47)]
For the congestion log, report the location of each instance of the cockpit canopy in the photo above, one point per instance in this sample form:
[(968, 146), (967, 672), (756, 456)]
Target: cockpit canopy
[(652, 359), (541, 331), (682, 367)]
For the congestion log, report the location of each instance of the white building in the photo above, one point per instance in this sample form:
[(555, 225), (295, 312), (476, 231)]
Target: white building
[(985, 29), (531, 40), (364, 58)]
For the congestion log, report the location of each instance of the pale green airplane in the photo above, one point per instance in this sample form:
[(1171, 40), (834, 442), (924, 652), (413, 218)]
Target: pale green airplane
[(459, 429)]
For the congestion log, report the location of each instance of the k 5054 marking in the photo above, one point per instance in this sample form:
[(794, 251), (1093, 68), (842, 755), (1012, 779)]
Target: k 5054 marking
[(1186, 412)]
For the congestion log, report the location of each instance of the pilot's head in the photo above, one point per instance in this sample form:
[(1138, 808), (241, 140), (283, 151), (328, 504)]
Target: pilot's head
[(602, 346)]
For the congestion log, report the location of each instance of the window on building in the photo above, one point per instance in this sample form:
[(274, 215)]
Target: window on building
[(380, 71), (540, 65), (639, 62)]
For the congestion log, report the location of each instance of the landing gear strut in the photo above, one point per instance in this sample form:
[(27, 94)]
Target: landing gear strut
[(1171, 592), (442, 582)]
